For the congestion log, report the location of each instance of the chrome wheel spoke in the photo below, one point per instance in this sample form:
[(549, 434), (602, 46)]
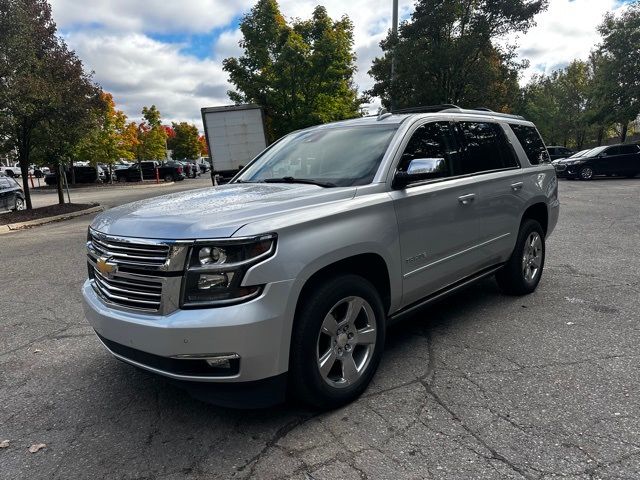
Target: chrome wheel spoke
[(353, 310), (366, 336), (329, 325), (349, 369), (326, 362)]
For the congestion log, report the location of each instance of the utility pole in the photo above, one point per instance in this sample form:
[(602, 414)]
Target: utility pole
[(394, 34)]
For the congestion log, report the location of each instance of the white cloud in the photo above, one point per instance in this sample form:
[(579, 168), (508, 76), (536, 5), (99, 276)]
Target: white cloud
[(158, 16), (140, 71), (566, 31)]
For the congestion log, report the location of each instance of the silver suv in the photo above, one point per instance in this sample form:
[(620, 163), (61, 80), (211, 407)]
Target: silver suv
[(287, 277)]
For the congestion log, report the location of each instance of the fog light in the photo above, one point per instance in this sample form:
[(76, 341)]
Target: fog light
[(207, 281)]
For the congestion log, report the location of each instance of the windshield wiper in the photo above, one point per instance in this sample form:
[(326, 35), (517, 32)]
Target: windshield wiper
[(307, 181)]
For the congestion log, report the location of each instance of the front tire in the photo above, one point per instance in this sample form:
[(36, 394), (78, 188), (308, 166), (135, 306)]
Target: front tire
[(522, 272), (19, 204), (168, 178), (337, 341), (586, 173)]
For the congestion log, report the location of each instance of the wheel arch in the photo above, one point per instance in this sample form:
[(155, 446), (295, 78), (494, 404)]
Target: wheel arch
[(371, 266), (538, 211)]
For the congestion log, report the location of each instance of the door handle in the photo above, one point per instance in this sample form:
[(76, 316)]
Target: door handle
[(467, 199), (517, 186)]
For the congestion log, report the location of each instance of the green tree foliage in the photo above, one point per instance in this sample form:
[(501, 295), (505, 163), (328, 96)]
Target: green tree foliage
[(447, 53), (185, 142), (560, 105), (152, 136), (45, 95), (302, 74), (618, 86)]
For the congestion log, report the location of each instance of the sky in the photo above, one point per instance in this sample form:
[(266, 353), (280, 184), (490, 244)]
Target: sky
[(170, 53)]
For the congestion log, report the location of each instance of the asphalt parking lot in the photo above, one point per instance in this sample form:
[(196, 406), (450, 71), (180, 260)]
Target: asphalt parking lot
[(480, 386)]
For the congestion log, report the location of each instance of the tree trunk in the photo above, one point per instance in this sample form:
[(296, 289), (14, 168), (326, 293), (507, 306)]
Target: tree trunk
[(600, 136), (623, 135), (23, 157), (73, 174), (59, 184)]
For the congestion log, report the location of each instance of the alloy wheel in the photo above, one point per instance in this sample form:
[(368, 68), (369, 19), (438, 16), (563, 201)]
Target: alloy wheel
[(346, 342), (586, 173), (20, 204), (532, 257)]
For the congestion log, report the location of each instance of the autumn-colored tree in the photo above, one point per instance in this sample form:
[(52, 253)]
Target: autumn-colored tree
[(45, 94), (184, 143), (204, 149), (302, 74)]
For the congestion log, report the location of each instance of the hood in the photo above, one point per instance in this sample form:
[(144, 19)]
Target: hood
[(213, 212)]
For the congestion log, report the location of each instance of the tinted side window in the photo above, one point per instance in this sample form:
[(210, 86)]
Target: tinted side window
[(487, 148), (4, 184), (432, 140), (532, 144), (611, 151), (627, 149)]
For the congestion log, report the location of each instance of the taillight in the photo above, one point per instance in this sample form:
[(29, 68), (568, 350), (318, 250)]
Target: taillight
[(179, 169)]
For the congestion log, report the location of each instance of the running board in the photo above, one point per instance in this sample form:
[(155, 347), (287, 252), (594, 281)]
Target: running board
[(437, 295)]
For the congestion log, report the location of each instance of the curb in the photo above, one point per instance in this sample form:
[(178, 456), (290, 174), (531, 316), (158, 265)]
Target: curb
[(43, 221), (132, 185)]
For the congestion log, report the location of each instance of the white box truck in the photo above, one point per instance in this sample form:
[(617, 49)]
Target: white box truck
[(235, 135)]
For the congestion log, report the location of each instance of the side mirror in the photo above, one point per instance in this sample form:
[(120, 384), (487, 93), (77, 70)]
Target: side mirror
[(421, 169)]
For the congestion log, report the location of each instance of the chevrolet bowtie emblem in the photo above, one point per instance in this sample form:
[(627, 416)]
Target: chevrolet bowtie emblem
[(105, 268)]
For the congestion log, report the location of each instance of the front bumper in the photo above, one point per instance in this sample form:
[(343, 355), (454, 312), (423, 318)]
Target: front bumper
[(256, 331)]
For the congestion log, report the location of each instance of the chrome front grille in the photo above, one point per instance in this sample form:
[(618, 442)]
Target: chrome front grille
[(125, 253), (137, 273), (140, 292)]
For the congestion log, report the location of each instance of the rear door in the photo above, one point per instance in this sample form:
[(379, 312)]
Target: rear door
[(498, 188), (630, 161)]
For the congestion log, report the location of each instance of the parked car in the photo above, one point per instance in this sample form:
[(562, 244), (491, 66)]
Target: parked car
[(620, 160), (83, 174), (169, 172), (556, 152), (287, 277), (11, 194)]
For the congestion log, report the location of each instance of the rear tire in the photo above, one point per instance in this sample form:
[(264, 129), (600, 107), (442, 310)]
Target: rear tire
[(522, 272), (168, 178), (337, 341)]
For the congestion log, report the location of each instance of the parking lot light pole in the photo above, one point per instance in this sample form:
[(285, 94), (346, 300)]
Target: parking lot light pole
[(394, 35)]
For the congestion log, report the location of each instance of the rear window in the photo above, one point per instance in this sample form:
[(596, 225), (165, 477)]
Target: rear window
[(532, 144), (627, 149)]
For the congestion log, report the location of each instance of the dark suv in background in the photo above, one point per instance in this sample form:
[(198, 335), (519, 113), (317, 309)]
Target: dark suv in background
[(556, 152), (621, 160)]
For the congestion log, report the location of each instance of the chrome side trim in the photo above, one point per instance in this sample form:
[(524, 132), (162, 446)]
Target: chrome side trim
[(461, 252)]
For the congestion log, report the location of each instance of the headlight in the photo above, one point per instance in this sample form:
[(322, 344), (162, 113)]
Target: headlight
[(216, 269)]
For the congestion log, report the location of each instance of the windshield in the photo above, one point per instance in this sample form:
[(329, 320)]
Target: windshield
[(595, 151), (580, 153), (341, 157)]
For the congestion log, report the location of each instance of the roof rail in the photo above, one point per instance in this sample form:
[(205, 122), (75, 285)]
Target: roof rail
[(426, 108), (485, 111)]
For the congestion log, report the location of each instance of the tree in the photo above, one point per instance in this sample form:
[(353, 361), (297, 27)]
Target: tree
[(45, 94), (184, 143), (152, 136), (105, 142), (618, 86), (302, 74), (204, 150), (447, 53)]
